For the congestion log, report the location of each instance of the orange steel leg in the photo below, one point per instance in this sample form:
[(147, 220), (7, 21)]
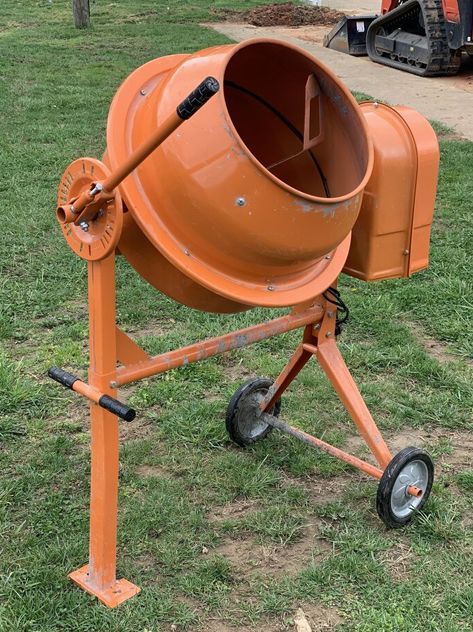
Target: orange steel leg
[(98, 576), (319, 341), (296, 363), (333, 364)]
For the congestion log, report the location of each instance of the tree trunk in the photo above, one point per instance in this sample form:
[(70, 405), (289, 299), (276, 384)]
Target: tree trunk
[(81, 11)]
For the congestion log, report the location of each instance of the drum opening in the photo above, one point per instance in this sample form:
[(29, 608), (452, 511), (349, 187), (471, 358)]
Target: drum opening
[(296, 120)]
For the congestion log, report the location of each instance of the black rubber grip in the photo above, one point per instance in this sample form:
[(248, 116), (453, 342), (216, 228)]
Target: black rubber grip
[(117, 408), (198, 98), (63, 377)]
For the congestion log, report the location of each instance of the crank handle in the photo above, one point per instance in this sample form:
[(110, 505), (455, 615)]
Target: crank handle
[(77, 212)]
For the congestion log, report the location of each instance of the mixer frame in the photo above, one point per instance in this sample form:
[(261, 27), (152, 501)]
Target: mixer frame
[(116, 360)]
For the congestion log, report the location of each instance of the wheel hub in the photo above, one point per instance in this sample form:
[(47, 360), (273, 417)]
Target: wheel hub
[(414, 474), (250, 419)]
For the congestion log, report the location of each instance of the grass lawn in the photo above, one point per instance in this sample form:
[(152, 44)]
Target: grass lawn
[(218, 538)]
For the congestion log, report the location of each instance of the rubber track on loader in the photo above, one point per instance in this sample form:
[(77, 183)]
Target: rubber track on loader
[(441, 59)]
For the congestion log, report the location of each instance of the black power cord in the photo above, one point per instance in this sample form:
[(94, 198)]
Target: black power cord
[(332, 295)]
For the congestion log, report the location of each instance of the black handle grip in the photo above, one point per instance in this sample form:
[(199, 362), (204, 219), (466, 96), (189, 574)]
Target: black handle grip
[(197, 98), (109, 403), (117, 408), (63, 377)]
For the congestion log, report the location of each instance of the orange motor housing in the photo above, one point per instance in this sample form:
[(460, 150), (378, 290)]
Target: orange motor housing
[(391, 238)]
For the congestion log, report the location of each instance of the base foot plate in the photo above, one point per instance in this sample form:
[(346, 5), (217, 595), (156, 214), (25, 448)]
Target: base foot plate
[(116, 594)]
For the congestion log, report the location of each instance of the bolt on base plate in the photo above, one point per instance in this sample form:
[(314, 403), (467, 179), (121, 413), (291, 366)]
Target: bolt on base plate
[(121, 590)]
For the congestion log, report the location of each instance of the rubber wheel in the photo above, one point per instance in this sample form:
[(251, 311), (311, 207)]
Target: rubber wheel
[(243, 419), (410, 466)]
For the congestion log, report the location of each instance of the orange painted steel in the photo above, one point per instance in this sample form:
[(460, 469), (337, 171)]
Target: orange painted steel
[(102, 186), (395, 243), (214, 346), (101, 235), (240, 207), (168, 126), (319, 342), (250, 202), (90, 392), (296, 363), (331, 361), (99, 576)]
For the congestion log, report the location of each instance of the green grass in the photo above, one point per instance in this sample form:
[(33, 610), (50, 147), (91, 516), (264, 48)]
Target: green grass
[(187, 496)]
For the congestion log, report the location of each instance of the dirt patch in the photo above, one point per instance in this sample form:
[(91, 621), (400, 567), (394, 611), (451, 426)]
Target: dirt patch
[(234, 510), (464, 79), (398, 559), (462, 445), (321, 618), (216, 625), (140, 428), (448, 136), (456, 446), (459, 442), (146, 562), (434, 348), (285, 14), (248, 557), (234, 368), (313, 34), (152, 470), (320, 489), (418, 437)]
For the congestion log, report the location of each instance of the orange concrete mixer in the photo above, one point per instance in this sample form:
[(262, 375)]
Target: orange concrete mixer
[(240, 176)]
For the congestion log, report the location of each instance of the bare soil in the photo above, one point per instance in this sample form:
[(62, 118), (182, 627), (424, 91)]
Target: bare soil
[(152, 470), (460, 442), (398, 559), (285, 14), (434, 348), (234, 510), (249, 557), (321, 618)]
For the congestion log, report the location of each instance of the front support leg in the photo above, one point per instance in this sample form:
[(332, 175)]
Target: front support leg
[(297, 362), (319, 341), (333, 364), (98, 577)]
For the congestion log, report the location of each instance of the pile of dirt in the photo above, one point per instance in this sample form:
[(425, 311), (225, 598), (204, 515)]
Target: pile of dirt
[(285, 14)]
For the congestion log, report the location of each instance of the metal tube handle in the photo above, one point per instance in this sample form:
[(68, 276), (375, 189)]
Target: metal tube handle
[(187, 108), (93, 394), (196, 99)]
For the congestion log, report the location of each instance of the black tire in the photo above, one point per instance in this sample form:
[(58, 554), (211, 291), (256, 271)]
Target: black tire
[(242, 420), (397, 512)]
